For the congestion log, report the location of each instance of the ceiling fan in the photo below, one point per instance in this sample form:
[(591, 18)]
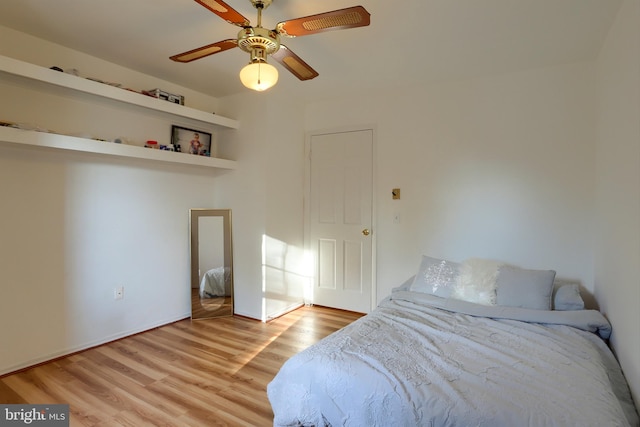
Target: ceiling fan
[(260, 42)]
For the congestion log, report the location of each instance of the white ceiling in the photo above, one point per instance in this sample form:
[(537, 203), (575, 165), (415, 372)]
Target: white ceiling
[(408, 41)]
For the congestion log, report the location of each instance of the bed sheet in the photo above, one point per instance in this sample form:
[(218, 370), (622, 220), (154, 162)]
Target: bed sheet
[(420, 360)]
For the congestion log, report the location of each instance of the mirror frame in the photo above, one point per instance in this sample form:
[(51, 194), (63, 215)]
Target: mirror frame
[(194, 217)]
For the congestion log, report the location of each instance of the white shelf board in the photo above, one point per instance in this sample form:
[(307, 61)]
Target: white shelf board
[(10, 135), (35, 72)]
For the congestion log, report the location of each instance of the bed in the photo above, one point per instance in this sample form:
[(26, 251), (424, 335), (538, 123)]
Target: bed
[(425, 357), (215, 283)]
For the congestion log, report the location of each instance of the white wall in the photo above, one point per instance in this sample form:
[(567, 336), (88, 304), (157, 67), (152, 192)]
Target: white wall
[(265, 193), (75, 225), (617, 277), (73, 228), (499, 167)]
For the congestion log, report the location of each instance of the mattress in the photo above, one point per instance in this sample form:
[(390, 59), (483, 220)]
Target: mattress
[(422, 360)]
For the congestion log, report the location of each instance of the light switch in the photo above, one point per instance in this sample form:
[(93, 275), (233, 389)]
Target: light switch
[(395, 194)]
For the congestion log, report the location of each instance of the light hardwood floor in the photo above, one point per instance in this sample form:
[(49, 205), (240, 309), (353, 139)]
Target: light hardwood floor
[(189, 373)]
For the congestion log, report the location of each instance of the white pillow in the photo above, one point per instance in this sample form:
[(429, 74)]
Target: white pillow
[(476, 281), (435, 277)]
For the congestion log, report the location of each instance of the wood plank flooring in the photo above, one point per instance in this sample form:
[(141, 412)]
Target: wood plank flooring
[(190, 373)]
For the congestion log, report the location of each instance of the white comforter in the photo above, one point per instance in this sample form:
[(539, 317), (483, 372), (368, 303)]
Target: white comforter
[(419, 360), (215, 283)]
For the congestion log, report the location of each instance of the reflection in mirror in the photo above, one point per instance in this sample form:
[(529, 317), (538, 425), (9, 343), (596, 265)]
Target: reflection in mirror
[(211, 263)]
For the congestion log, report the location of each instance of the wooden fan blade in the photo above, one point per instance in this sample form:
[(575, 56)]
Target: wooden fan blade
[(294, 64), (203, 51), (225, 12), (351, 17)]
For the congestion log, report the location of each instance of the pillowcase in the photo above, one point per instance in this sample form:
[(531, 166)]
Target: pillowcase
[(568, 297), (435, 276), (477, 281), (518, 287), (405, 286)]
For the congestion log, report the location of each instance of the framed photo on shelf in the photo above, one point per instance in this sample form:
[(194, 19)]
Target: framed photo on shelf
[(191, 141)]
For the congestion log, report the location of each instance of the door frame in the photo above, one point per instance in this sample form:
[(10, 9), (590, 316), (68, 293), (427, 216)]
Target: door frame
[(307, 204)]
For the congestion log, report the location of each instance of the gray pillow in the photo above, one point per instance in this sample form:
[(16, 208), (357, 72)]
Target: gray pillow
[(518, 287), (435, 276), (568, 297)]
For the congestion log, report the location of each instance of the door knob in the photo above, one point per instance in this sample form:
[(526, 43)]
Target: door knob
[(366, 232)]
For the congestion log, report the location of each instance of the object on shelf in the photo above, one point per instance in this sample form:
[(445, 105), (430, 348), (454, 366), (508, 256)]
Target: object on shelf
[(197, 142), (161, 94), (151, 144), (83, 135), (104, 82), (31, 126)]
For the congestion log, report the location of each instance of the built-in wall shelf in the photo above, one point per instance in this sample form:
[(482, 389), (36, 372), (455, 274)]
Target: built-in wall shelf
[(25, 70), (9, 135)]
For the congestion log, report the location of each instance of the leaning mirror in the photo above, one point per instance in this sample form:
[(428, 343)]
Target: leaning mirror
[(211, 263)]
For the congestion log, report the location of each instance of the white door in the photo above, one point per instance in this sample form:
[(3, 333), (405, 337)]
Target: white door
[(340, 219)]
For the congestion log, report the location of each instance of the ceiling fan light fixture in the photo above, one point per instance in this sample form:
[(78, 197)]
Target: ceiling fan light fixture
[(261, 42), (259, 76)]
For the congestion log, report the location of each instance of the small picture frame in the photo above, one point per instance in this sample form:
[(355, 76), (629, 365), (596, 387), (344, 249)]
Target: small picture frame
[(191, 141)]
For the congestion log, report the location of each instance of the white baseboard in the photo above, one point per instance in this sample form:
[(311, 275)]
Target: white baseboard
[(284, 311)]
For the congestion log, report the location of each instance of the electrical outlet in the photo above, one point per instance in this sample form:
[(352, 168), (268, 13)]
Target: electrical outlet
[(118, 293)]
